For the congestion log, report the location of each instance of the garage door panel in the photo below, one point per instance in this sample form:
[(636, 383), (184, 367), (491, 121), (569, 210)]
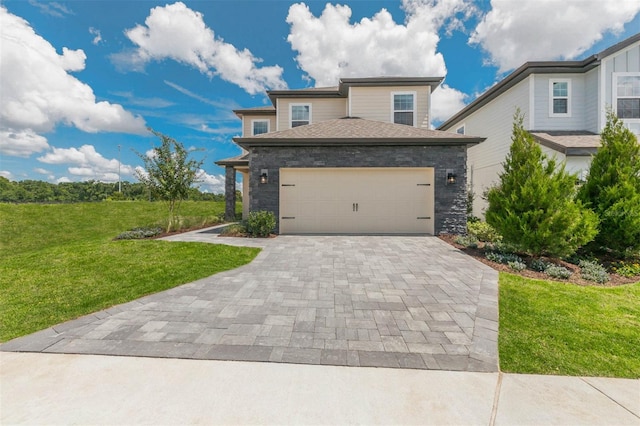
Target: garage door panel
[(357, 200)]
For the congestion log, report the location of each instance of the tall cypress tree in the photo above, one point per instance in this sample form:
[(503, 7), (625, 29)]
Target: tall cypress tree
[(612, 188), (534, 206)]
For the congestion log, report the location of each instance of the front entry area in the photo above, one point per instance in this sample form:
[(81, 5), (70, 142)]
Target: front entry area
[(367, 200)]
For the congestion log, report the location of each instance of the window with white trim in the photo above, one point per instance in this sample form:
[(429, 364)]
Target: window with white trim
[(627, 95), (404, 108), (560, 98), (300, 114), (259, 127)]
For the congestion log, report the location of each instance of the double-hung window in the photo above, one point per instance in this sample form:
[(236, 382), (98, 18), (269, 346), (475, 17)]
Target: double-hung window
[(560, 98), (404, 108), (627, 99), (300, 114), (259, 127)]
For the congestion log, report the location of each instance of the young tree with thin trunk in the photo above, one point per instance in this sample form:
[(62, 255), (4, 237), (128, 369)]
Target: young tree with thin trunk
[(169, 173)]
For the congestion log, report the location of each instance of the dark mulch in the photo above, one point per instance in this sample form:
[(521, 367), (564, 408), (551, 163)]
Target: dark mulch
[(479, 255)]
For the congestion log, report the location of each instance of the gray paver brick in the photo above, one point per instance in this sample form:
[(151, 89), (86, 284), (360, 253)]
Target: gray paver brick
[(408, 302)]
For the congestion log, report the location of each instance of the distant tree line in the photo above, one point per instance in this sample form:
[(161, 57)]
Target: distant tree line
[(36, 191)]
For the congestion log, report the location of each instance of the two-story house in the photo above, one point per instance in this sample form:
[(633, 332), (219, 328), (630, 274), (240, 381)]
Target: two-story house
[(564, 104), (356, 158)]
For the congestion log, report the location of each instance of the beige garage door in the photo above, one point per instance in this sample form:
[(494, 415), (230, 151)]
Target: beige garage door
[(356, 200)]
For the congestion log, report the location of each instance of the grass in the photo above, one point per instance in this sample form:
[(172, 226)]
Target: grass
[(563, 329), (59, 261)]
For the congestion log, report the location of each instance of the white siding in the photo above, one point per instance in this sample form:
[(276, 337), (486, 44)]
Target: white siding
[(543, 121), (627, 60), (493, 121), (591, 96), (321, 110), (374, 103)]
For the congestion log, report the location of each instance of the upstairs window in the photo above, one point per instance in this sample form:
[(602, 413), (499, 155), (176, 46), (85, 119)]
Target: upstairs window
[(259, 127), (460, 130), (404, 108), (300, 115), (560, 98), (628, 96)]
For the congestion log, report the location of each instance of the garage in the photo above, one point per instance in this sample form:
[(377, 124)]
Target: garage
[(369, 200)]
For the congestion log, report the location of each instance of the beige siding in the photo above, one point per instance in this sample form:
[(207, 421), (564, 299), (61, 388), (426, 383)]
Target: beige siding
[(247, 119), (321, 110), (375, 103)]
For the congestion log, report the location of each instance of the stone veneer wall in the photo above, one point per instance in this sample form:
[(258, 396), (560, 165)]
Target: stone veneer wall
[(450, 200)]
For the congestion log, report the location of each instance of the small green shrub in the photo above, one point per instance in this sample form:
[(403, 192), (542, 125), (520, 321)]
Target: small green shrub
[(539, 265), (261, 223), (467, 241), (517, 266), (557, 271), (593, 271), (139, 233), (235, 230), (483, 232), (503, 257), (626, 269)]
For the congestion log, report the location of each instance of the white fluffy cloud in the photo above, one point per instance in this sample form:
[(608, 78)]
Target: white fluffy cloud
[(445, 102), (97, 36), (21, 143), (514, 32), (86, 163), (6, 174), (211, 183), (176, 32), (330, 46), (39, 92)]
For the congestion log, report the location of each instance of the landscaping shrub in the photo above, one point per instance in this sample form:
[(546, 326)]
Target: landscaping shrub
[(483, 231), (467, 241), (557, 271), (626, 269), (139, 233), (593, 271), (539, 265), (517, 266), (612, 188), (261, 223), (503, 257), (235, 230), (533, 206)]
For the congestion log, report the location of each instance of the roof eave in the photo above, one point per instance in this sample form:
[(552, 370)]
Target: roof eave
[(242, 112), (273, 142), (528, 68)]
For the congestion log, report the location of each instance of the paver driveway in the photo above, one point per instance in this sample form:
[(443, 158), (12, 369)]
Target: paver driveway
[(384, 301)]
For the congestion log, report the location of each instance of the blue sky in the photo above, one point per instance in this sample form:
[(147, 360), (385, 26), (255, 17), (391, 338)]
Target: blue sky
[(80, 78)]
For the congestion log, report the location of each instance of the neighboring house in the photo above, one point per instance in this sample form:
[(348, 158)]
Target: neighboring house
[(564, 103), (356, 158)]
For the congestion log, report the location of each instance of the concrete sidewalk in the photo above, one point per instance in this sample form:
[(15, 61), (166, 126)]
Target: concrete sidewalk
[(39, 388)]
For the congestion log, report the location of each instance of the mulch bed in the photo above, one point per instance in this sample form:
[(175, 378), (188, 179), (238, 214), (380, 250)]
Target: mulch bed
[(479, 255)]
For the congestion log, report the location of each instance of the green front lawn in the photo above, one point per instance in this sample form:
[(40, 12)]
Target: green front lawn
[(59, 262), (549, 327)]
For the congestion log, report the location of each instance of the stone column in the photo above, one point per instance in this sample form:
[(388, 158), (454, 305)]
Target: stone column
[(230, 194)]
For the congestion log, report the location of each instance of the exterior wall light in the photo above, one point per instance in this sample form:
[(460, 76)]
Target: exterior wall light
[(264, 176), (451, 177)]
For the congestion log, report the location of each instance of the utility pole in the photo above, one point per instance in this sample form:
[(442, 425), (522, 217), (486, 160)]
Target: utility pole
[(119, 181)]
